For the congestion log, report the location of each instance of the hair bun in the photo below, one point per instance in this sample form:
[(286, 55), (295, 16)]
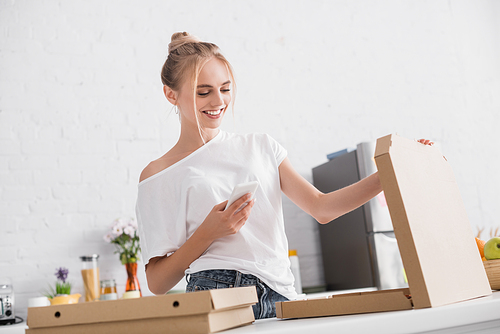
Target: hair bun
[(180, 38)]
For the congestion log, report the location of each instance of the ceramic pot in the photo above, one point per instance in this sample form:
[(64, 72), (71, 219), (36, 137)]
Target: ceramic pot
[(65, 299)]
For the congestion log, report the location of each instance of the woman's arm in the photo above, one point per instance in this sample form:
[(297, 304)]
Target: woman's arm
[(164, 272), (326, 207)]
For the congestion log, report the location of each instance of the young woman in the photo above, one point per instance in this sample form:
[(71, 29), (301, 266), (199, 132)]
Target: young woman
[(183, 225)]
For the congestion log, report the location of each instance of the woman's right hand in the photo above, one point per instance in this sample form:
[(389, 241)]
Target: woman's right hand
[(221, 223), (163, 272)]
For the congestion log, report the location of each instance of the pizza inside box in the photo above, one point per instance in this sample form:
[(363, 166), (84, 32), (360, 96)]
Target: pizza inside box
[(197, 312), (435, 239)]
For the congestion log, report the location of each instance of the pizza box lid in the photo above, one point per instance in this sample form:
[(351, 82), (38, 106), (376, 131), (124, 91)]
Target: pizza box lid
[(433, 232), (435, 239)]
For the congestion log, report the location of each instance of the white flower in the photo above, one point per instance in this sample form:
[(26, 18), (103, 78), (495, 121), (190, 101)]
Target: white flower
[(108, 237), (117, 230), (129, 230), (120, 222), (133, 223)]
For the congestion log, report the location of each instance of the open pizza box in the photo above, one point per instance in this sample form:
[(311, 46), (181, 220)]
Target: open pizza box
[(435, 239), (197, 312)]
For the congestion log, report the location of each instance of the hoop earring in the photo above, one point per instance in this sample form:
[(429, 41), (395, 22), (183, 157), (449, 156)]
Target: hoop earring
[(175, 109)]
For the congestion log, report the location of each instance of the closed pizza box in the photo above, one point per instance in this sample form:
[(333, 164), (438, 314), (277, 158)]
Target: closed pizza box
[(435, 239), (197, 312)]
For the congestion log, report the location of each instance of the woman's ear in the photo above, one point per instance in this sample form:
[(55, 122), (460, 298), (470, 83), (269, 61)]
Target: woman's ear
[(170, 94)]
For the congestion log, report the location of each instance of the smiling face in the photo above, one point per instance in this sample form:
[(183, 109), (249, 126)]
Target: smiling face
[(212, 95)]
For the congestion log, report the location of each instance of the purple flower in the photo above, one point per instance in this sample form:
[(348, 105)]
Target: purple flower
[(62, 274)]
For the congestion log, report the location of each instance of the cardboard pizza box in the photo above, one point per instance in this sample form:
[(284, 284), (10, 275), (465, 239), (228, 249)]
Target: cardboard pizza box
[(197, 312), (435, 238)]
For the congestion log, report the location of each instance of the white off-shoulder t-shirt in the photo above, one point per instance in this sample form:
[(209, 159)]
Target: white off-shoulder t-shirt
[(173, 203)]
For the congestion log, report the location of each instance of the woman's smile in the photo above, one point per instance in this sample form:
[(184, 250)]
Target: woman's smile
[(213, 113)]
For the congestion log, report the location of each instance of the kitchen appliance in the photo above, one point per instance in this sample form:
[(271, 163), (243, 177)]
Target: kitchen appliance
[(7, 304), (359, 249)]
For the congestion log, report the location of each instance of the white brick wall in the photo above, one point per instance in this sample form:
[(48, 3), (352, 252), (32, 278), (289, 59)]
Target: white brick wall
[(82, 111)]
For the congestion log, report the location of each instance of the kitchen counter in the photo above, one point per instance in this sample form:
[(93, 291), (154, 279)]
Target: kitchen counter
[(14, 329), (477, 315)]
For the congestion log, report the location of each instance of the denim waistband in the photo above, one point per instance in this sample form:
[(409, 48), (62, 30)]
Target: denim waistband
[(232, 277)]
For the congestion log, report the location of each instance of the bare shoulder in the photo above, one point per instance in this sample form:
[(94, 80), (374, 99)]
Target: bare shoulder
[(151, 169), (160, 164)]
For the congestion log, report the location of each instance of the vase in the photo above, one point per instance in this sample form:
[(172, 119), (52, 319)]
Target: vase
[(132, 281)]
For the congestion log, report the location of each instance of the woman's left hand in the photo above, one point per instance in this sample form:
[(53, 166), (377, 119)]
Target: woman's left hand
[(426, 142)]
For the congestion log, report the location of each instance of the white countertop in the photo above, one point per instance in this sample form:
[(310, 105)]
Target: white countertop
[(14, 329), (481, 314), (469, 316)]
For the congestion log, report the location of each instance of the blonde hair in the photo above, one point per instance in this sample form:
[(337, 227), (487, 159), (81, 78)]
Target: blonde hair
[(187, 55)]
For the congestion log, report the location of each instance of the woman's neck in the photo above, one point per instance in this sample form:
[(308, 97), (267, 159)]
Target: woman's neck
[(192, 139)]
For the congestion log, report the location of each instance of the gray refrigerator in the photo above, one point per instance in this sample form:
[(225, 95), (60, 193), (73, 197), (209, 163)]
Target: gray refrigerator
[(359, 249)]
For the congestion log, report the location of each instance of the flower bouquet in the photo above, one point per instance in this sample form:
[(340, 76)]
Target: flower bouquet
[(124, 236)]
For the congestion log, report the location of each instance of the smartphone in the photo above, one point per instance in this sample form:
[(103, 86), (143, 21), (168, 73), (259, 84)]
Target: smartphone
[(240, 190)]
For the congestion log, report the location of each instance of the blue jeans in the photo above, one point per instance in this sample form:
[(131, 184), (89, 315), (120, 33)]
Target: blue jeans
[(221, 279)]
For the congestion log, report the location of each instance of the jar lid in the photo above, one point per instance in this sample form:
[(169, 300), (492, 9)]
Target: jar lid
[(92, 257)]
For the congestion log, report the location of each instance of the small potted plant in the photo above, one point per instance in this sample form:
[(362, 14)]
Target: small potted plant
[(124, 236), (62, 293)]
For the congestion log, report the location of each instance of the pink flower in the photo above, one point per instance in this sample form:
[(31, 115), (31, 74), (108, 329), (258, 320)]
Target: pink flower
[(119, 222), (129, 230), (108, 237), (124, 235), (133, 223), (117, 230)]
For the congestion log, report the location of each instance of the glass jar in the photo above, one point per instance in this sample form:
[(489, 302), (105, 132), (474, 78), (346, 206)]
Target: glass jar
[(108, 290), (90, 276)]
